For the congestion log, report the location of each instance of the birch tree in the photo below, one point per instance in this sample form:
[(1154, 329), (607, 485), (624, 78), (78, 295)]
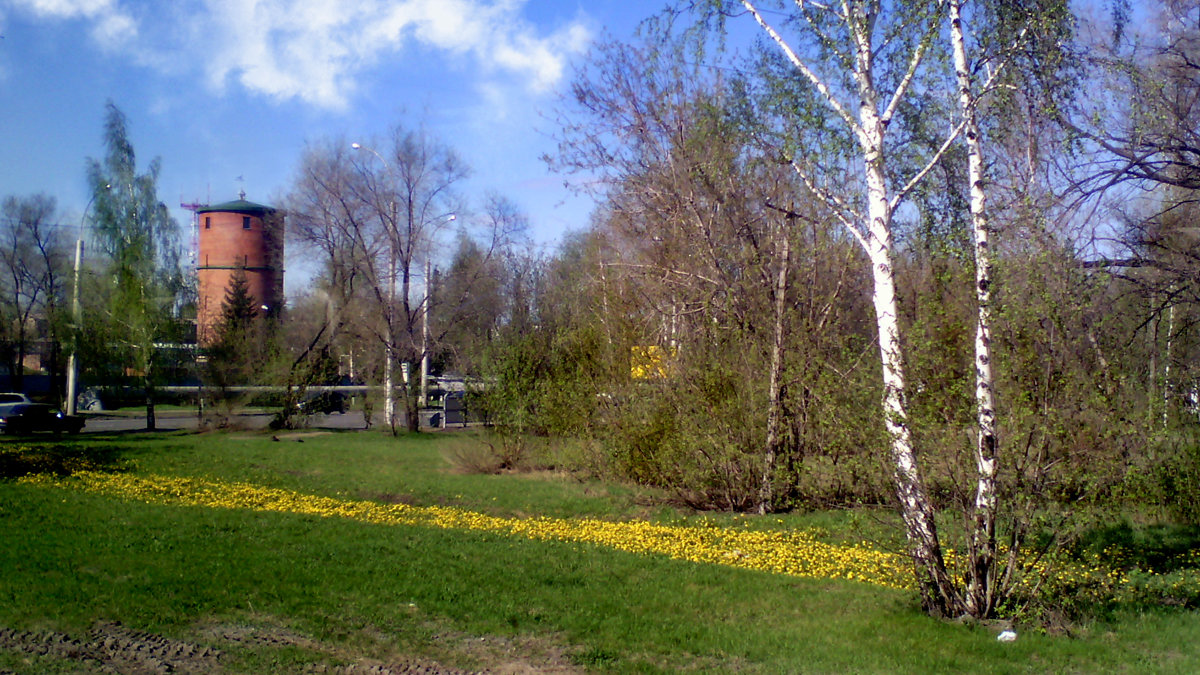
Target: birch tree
[(864, 61), (1004, 33), (979, 596), (374, 218), (861, 58), (334, 228), (373, 212)]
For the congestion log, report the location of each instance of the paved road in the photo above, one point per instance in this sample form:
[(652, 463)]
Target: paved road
[(177, 419)]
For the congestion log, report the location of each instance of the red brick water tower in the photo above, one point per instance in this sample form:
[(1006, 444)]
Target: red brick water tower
[(237, 237)]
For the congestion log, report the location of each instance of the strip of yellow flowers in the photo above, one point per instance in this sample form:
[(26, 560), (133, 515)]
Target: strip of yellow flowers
[(791, 553)]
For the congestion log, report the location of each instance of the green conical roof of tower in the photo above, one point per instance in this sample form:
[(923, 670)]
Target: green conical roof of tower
[(239, 206)]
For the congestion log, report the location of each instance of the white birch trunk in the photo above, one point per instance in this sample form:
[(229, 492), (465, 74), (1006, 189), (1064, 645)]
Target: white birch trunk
[(1167, 387), (1152, 348), (766, 491), (938, 593), (981, 575)]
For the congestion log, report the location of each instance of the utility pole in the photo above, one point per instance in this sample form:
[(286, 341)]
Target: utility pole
[(425, 334), (73, 359), (76, 314)]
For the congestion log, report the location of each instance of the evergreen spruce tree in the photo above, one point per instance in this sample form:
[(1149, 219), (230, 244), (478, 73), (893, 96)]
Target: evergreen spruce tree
[(238, 350)]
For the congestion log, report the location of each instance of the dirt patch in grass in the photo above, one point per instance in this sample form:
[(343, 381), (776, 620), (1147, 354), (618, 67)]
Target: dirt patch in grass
[(518, 655), (392, 498), (376, 653), (347, 662), (299, 436), (113, 648), (294, 436)]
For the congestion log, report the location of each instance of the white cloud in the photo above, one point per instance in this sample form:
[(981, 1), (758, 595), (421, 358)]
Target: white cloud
[(314, 50), (114, 30), (112, 27), (64, 8)]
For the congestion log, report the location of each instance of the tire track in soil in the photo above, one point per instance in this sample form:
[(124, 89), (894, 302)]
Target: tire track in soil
[(112, 648), (280, 638)]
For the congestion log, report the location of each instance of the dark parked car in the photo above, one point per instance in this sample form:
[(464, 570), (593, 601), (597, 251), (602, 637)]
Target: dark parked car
[(25, 418), (8, 399), (324, 402)]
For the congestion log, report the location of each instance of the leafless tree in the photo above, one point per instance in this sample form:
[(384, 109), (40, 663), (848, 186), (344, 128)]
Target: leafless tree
[(33, 257), (485, 288), (1143, 119), (703, 256), (1141, 168), (378, 214)]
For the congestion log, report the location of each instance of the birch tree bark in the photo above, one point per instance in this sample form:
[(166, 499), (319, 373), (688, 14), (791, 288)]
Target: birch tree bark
[(868, 121), (775, 387), (981, 574)]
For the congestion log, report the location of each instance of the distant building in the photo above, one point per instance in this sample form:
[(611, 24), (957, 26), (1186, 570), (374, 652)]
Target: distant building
[(237, 236)]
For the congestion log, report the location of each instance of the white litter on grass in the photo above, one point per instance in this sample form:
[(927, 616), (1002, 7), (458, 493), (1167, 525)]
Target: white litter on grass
[(1007, 636)]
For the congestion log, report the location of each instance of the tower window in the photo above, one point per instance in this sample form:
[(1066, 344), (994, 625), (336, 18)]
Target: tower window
[(245, 222), (208, 222)]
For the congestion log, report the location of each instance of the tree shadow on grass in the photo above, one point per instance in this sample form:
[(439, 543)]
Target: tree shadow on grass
[(21, 460), (1160, 548)]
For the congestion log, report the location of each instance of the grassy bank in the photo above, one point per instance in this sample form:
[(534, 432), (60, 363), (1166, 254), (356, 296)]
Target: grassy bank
[(279, 590)]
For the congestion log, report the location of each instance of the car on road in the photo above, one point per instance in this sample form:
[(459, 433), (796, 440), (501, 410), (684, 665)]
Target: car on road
[(25, 418), (10, 398), (324, 402)]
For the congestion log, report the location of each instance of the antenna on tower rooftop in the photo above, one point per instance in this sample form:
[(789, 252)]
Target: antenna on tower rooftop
[(193, 244)]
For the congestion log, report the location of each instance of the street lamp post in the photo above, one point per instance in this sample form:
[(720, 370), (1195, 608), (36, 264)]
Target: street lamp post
[(73, 358), (425, 337), (425, 322)]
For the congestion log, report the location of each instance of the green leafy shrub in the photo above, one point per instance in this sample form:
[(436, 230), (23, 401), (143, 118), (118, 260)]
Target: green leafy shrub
[(1178, 482)]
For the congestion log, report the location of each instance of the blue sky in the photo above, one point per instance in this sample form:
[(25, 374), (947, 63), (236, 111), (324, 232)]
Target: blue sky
[(222, 89)]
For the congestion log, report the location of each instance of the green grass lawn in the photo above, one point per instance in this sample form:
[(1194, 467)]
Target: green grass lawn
[(281, 592)]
